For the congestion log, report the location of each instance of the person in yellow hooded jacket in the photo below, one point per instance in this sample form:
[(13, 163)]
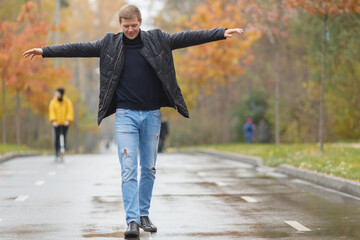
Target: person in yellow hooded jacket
[(61, 114)]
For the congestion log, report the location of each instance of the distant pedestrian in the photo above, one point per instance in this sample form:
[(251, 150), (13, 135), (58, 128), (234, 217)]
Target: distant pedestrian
[(61, 114), (137, 78), (107, 145), (249, 130), (164, 131), (263, 131)]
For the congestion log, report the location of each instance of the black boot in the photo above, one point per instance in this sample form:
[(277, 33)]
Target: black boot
[(132, 230), (147, 225)]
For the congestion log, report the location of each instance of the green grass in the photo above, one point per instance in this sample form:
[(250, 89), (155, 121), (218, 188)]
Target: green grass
[(6, 148), (338, 159)]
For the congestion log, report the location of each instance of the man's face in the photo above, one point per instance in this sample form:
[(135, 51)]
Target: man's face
[(130, 27)]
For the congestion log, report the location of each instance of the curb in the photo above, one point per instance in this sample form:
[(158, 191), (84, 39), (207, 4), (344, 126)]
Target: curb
[(9, 156), (255, 161), (336, 183), (325, 180)]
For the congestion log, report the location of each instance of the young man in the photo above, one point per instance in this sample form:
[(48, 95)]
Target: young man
[(137, 78), (61, 113)]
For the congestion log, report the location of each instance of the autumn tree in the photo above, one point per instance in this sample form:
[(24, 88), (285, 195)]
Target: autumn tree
[(271, 18), (174, 13), (207, 68), (31, 82), (324, 9), (87, 21), (343, 89)]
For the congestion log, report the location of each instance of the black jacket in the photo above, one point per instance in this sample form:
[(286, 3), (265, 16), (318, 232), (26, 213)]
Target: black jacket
[(157, 50)]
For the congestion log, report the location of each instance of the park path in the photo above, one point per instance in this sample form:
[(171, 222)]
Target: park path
[(196, 196)]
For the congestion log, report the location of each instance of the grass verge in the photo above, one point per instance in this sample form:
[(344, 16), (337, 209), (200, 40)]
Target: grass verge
[(7, 148), (341, 160)]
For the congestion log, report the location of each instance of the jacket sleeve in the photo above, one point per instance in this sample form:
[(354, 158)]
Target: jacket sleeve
[(70, 111), (194, 37), (82, 49), (52, 114)]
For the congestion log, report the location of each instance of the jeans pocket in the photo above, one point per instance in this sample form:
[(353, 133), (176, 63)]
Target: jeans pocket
[(121, 111), (156, 113)]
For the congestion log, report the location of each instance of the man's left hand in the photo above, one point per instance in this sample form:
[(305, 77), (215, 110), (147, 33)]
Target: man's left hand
[(229, 32)]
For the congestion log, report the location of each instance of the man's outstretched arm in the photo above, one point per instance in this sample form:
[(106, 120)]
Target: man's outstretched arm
[(196, 37), (84, 49), (229, 32), (33, 52)]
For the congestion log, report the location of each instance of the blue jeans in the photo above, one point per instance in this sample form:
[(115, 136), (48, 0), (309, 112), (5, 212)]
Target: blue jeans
[(248, 139), (137, 131)]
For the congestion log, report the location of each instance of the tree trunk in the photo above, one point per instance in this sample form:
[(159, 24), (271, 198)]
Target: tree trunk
[(76, 107), (3, 112), (322, 106), (277, 96), (57, 32), (17, 119), (277, 76), (226, 108)]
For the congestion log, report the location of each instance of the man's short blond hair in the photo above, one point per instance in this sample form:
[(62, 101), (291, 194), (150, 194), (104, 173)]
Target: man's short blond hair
[(129, 11)]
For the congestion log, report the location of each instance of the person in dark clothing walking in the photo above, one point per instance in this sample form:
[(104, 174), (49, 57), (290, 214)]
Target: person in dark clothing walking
[(249, 130), (164, 131), (137, 78)]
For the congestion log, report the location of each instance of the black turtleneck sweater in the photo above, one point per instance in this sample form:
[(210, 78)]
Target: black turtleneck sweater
[(139, 87)]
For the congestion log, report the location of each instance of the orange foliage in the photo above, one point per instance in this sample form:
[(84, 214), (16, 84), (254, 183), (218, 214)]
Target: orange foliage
[(208, 66), (35, 80), (323, 8), (271, 18)]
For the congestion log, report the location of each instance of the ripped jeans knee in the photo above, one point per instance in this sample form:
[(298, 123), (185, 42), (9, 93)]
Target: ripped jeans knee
[(148, 172)]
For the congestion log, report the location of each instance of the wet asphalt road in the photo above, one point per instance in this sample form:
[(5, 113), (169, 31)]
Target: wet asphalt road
[(195, 197)]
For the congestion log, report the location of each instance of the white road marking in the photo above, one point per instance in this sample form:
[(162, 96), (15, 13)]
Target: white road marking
[(52, 173), (60, 167), (21, 198), (201, 174), (221, 184), (249, 199), (298, 226), (39, 183), (0, 219)]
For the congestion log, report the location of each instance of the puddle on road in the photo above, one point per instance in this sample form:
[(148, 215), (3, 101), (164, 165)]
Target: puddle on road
[(341, 231), (107, 203), (92, 231), (327, 215), (29, 230), (268, 234), (109, 235), (11, 198), (332, 216)]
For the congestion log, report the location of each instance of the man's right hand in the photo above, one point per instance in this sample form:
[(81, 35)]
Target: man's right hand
[(55, 124), (33, 52)]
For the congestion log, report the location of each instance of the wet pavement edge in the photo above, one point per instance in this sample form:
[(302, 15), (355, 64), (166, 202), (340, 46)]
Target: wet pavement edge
[(332, 182), (9, 156)]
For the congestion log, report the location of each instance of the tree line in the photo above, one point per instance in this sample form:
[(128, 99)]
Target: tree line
[(296, 66)]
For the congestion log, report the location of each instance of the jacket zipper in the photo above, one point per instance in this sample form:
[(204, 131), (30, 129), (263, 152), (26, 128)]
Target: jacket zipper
[(107, 91)]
